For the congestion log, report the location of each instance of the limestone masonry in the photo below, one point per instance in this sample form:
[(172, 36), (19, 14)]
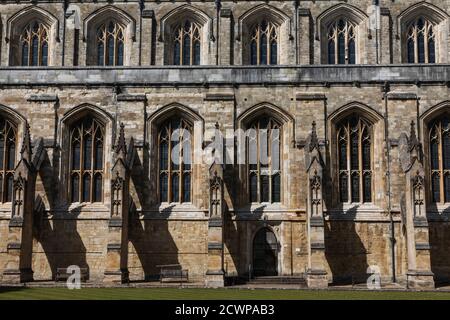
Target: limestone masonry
[(350, 98)]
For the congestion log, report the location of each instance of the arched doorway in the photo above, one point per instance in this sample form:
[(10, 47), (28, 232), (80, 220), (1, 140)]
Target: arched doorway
[(265, 253)]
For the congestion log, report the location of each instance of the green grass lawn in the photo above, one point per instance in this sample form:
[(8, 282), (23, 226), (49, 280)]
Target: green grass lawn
[(210, 294)]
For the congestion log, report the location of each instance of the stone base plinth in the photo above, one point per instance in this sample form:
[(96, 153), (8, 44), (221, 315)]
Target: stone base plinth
[(118, 276), (316, 279), (215, 279), (17, 276), (421, 280)]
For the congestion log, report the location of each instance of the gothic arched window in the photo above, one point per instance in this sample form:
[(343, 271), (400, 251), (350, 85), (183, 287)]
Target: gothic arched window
[(341, 42), (440, 160), (354, 143), (110, 44), (175, 171), (8, 138), (264, 44), (86, 161), (264, 154), (421, 42), (34, 45), (186, 44)]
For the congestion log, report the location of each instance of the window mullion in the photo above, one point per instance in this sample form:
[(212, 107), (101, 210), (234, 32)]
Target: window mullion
[(169, 165), (349, 166), (441, 166), (360, 157)]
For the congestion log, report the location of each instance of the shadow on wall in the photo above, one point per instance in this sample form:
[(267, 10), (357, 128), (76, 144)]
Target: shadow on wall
[(439, 235), (151, 239), (344, 250), (58, 235)]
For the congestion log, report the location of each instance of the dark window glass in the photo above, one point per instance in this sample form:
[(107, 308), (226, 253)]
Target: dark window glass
[(434, 155), (35, 51), (187, 50), (366, 155), (273, 52), (110, 51), (343, 156), (98, 182), (276, 184), (100, 54), (343, 188), (435, 187), (76, 156), (447, 187), (446, 151), (87, 153), (99, 156), (355, 188), (264, 188), (120, 53), (354, 161), (25, 54), (253, 53), (351, 52), (411, 52), (86, 188), (341, 49), (175, 188), (431, 51), (44, 54), (9, 187), (163, 187), (75, 188), (263, 50), (331, 52), (11, 156), (164, 155), (421, 47), (367, 188), (176, 53), (187, 188), (253, 188)]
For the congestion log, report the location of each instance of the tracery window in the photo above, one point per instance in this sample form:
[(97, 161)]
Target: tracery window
[(186, 44), (86, 161), (110, 44), (354, 142), (421, 42), (34, 45), (175, 171), (440, 160), (8, 140), (264, 154), (264, 44), (341, 42)]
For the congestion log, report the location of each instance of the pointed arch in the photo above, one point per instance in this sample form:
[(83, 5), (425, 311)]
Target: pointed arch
[(426, 24), (109, 12), (171, 110), (86, 140), (354, 26), (264, 108), (186, 32), (109, 32), (436, 141), (22, 17), (425, 9), (81, 110), (173, 129), (355, 107), (16, 28), (263, 32), (260, 12), (184, 11), (430, 114)]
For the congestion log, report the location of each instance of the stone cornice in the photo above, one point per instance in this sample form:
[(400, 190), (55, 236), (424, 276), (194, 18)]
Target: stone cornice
[(229, 76)]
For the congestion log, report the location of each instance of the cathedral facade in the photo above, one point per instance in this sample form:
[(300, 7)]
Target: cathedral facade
[(232, 139)]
